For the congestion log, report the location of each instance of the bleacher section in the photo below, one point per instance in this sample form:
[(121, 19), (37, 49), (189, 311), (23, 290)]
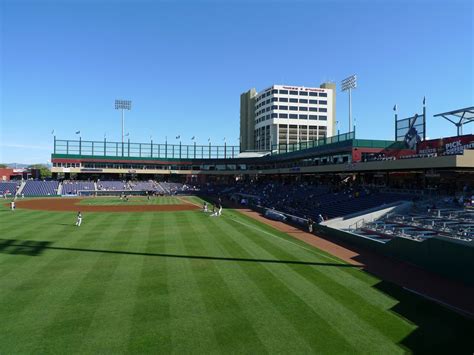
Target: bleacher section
[(72, 187), (40, 188), (112, 185), (310, 201), (419, 225), (9, 187)]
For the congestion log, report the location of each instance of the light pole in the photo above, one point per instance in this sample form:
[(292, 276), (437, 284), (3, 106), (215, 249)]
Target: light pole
[(348, 84), (123, 105)]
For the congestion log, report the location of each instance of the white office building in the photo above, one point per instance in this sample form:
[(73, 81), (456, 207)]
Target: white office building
[(287, 114)]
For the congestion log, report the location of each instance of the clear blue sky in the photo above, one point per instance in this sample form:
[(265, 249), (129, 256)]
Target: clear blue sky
[(184, 65)]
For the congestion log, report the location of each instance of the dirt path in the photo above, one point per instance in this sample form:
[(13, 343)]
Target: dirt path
[(453, 294), (72, 204)]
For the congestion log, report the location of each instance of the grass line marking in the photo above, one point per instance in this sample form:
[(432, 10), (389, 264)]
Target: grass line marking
[(288, 241)]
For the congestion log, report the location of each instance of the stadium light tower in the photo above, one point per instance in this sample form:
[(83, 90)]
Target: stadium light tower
[(348, 84), (123, 105)]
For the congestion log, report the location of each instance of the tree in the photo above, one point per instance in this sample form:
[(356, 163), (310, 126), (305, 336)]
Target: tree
[(43, 170), (3, 166)]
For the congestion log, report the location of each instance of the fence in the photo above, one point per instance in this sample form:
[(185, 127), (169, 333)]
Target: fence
[(144, 150)]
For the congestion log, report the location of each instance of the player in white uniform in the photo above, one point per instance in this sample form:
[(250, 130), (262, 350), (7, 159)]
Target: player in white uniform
[(219, 212), (12, 205), (205, 207), (79, 219)]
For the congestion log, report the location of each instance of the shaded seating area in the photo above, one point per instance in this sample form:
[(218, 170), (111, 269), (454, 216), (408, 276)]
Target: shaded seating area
[(40, 188)]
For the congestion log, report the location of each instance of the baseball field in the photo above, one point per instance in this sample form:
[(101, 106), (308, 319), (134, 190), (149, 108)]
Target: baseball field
[(181, 281)]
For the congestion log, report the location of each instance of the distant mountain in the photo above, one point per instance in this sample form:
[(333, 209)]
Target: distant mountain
[(21, 166)]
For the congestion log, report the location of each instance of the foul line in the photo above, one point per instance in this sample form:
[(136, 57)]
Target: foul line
[(189, 202), (288, 241)]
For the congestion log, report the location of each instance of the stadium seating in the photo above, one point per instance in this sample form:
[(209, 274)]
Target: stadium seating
[(9, 187), (40, 188), (72, 187), (112, 185)]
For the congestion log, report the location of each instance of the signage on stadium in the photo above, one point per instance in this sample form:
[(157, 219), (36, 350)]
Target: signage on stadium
[(302, 89), (448, 146), (91, 170)]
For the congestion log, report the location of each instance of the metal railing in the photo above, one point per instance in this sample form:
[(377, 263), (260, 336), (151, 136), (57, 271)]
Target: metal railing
[(144, 150), (283, 148)]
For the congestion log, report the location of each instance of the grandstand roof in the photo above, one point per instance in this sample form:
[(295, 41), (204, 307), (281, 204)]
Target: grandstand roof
[(459, 117)]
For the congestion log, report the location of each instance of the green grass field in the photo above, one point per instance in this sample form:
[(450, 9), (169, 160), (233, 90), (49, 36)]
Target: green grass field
[(184, 282), (134, 200)]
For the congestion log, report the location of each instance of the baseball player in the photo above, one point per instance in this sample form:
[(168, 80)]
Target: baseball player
[(219, 212), (12, 205), (79, 219), (205, 207)]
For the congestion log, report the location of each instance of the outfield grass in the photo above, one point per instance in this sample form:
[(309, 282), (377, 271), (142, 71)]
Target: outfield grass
[(185, 282), (134, 200)]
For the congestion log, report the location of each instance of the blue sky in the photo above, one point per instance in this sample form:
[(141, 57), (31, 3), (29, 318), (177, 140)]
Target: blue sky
[(184, 65)]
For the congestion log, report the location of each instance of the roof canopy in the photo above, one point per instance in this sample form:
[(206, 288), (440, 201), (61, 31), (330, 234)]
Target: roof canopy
[(459, 117)]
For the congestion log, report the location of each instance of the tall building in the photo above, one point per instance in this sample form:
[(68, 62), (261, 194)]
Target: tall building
[(247, 119), (287, 114)]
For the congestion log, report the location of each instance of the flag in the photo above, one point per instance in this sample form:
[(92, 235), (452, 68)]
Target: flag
[(78, 132), (52, 132), (395, 108), (424, 100), (193, 138), (178, 137), (209, 139), (127, 134)]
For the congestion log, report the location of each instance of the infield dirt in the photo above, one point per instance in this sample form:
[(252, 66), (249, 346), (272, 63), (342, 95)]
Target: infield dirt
[(72, 204)]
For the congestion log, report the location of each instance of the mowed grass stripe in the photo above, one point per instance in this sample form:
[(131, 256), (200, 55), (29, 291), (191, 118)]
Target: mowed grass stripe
[(31, 303), (84, 290), (343, 319), (151, 315), (347, 277), (134, 200), (310, 325), (274, 330), (190, 325), (120, 294), (233, 331)]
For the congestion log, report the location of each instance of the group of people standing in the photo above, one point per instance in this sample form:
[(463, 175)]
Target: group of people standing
[(216, 209)]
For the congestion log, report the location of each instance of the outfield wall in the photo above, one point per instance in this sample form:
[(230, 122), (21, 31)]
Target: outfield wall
[(448, 257)]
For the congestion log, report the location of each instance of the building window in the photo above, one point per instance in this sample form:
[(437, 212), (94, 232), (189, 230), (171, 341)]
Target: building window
[(323, 94), (283, 107), (274, 115), (283, 99), (323, 109), (313, 94), (313, 101), (323, 102), (294, 100), (313, 109), (267, 109), (283, 115), (293, 108), (303, 101), (268, 101), (293, 92), (274, 107), (303, 93), (293, 116), (267, 117), (274, 91), (313, 117), (303, 117), (274, 99), (323, 118), (303, 108), (284, 92)]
